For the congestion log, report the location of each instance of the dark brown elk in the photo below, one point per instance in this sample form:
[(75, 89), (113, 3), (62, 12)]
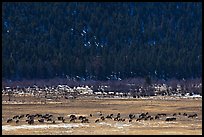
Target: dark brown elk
[(80, 117), (15, 117), (139, 119), (151, 118), (85, 120), (40, 115), (108, 116), (41, 120), (49, 119), (72, 120), (102, 118), (21, 116), (156, 117), (148, 116), (73, 117), (131, 116), (142, 115), (17, 121), (191, 116), (9, 120), (170, 119), (184, 114), (97, 120), (161, 114), (118, 115), (31, 121), (116, 119), (31, 116), (60, 118), (121, 119)]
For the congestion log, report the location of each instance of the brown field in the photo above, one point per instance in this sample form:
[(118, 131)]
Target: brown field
[(86, 106)]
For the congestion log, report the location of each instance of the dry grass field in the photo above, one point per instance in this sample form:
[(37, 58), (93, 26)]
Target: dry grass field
[(85, 106)]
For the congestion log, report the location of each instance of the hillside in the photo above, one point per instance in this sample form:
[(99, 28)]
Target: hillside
[(101, 41)]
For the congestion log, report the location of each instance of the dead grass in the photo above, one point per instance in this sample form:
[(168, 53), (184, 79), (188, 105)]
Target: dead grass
[(107, 106)]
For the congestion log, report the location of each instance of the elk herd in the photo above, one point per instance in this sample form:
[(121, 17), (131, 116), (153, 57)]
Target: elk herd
[(96, 118)]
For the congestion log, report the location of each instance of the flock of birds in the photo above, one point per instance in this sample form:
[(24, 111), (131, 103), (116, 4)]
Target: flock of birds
[(49, 118)]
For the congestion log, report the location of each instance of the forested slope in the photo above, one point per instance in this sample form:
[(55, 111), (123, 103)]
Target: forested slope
[(101, 41)]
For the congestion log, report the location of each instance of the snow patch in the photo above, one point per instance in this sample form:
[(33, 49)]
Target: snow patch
[(121, 125), (9, 127)]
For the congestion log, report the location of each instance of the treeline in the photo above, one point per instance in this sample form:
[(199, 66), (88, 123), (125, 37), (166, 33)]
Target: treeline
[(101, 41)]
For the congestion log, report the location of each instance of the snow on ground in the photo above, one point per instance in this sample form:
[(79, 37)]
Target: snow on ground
[(121, 125), (194, 96), (72, 125)]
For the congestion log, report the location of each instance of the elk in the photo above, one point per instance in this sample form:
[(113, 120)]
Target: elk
[(170, 119)]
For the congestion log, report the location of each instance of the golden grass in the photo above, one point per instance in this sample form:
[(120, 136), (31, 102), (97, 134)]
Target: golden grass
[(107, 106)]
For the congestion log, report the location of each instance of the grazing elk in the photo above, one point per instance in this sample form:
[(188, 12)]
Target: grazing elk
[(161, 114), (17, 121), (72, 117), (81, 117), (60, 118), (184, 114), (156, 117), (103, 118), (191, 116), (21, 116), (118, 115), (49, 119), (40, 115), (170, 119), (142, 115), (31, 121), (85, 120), (139, 119), (72, 120), (9, 120), (31, 116), (116, 119), (15, 117), (131, 116), (41, 120), (97, 120), (108, 116)]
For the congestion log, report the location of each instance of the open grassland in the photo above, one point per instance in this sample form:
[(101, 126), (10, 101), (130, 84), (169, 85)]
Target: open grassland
[(86, 106)]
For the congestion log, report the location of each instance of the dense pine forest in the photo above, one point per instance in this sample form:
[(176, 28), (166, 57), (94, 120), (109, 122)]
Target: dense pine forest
[(101, 41)]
